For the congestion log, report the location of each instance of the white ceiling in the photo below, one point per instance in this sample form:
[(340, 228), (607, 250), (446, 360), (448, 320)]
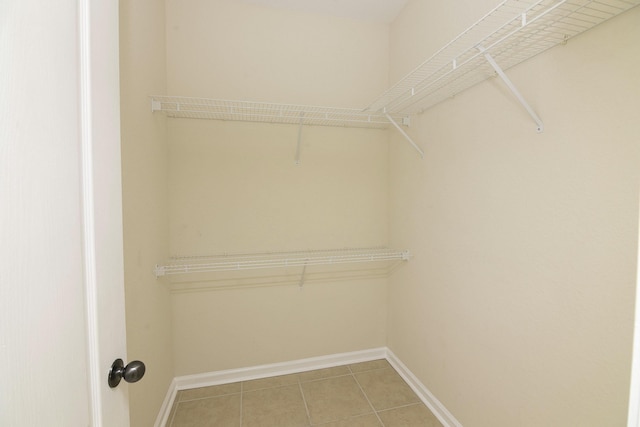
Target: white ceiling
[(380, 11)]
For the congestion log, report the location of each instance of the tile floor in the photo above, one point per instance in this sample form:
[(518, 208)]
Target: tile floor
[(369, 394)]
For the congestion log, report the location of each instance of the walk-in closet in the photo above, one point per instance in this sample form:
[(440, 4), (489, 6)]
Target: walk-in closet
[(447, 188)]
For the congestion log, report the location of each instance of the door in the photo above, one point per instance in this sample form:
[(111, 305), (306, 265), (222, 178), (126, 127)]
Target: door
[(61, 269)]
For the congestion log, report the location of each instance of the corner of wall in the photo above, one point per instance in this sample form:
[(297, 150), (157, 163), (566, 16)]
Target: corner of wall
[(145, 204)]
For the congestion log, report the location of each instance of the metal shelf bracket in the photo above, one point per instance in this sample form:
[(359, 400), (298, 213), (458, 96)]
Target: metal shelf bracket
[(302, 276), (298, 146), (513, 89), (406, 136)]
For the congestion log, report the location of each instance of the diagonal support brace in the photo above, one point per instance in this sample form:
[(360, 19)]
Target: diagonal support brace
[(407, 137), (514, 90), (299, 138), (302, 276)]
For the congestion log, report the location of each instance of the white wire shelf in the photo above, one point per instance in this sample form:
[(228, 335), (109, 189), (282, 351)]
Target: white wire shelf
[(511, 33), (256, 261), (219, 109)]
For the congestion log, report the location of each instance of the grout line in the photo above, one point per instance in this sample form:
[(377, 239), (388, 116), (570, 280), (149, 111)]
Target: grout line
[(402, 406), (366, 397), (372, 370), (323, 378), (210, 397), (300, 382), (241, 395), (349, 418), (304, 400)]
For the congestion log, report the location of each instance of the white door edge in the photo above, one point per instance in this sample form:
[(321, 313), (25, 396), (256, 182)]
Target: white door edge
[(633, 419), (99, 110), (89, 241)]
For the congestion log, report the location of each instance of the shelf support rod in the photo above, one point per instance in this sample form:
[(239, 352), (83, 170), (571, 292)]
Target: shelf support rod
[(406, 136), (299, 138), (514, 90), (302, 276)]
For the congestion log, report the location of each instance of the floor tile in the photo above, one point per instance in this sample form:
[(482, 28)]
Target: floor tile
[(274, 407), (368, 366), (320, 374), (334, 399), (270, 382), (340, 396), (409, 416), (221, 411), (370, 420), (202, 392), (386, 389)]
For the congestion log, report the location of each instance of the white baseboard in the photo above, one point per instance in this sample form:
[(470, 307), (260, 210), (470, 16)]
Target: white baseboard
[(167, 404), (263, 371), (274, 369), (295, 366), (438, 409)]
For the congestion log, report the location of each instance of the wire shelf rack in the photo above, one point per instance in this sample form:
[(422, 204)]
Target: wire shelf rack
[(218, 109), (256, 261), (511, 33)]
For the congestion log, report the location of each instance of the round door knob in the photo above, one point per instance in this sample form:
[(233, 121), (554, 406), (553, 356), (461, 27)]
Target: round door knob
[(133, 372)]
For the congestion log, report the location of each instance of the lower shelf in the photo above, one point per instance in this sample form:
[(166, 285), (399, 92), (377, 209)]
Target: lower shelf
[(251, 269)]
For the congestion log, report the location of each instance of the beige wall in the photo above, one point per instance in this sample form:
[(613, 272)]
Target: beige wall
[(234, 187), (517, 306), (144, 168), (517, 309), (226, 49)]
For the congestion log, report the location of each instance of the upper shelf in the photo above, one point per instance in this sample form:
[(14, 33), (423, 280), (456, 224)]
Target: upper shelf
[(513, 32), (218, 109)]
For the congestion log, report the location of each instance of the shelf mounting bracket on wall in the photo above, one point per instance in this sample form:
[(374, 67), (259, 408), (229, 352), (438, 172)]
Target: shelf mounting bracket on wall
[(512, 88), (302, 276), (298, 146), (406, 136)]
